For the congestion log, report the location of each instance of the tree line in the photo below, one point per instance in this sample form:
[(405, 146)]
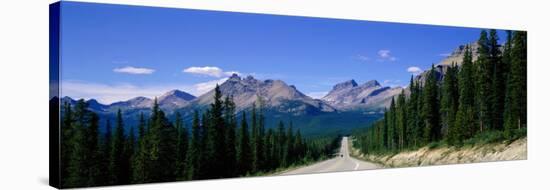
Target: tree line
[(485, 95), (217, 144)]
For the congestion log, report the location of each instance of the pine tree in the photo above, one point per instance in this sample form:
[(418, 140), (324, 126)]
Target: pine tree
[(401, 119), (116, 157), (420, 125), (76, 171), (93, 162), (218, 135), (430, 112), (391, 126), (290, 144), (83, 148), (106, 151), (484, 82), (254, 139), (465, 119), (261, 142), (245, 151), (411, 111), (412, 119), (128, 156), (67, 133), (498, 81), (193, 155), (161, 145), (298, 146), (520, 61), (281, 142), (230, 164), (181, 147), (449, 103), (139, 160), (507, 56), (516, 95), (152, 146), (270, 149), (168, 142), (386, 130), (209, 146)]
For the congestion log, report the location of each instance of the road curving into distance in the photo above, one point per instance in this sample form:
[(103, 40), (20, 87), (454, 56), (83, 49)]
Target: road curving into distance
[(342, 162)]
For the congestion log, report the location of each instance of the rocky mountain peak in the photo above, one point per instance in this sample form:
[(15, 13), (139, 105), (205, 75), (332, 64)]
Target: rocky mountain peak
[(370, 95), (139, 99), (137, 102), (175, 99), (235, 77), (250, 78), (276, 94), (95, 105), (345, 85), (92, 102), (371, 83), (177, 94)]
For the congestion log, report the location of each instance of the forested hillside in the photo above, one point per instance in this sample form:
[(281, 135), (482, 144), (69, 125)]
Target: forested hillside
[(216, 144), (478, 101)]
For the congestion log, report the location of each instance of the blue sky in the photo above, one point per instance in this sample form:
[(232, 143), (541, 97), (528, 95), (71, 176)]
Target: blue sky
[(114, 52)]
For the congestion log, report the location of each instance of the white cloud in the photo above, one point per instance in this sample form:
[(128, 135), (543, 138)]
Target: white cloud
[(109, 93), (414, 70), (317, 95), (385, 55), (134, 70), (210, 71)]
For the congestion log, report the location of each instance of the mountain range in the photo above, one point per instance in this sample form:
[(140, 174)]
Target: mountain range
[(347, 105), (275, 94), (169, 101), (371, 95)]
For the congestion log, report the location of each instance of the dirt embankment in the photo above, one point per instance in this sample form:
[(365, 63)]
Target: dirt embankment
[(516, 150)]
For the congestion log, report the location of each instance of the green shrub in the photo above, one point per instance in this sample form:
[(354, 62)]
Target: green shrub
[(434, 145), (486, 137)]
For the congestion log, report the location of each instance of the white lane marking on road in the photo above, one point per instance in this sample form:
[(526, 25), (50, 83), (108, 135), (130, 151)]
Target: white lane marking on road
[(356, 165)]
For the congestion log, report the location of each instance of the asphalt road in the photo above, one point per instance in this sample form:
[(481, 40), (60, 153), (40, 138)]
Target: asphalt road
[(342, 162)]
